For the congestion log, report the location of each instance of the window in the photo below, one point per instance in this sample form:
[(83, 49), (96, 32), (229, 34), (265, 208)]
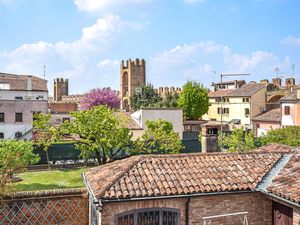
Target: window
[(18, 98), (1, 135), (247, 111), (19, 117), (287, 110), (149, 216), (195, 128), (246, 99), (225, 99), (1, 117), (40, 97), (226, 110)]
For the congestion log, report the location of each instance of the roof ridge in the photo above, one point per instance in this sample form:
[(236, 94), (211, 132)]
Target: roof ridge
[(135, 161)]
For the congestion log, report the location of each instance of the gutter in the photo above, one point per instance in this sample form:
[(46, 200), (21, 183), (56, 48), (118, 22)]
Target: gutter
[(272, 196), (96, 201), (175, 196)]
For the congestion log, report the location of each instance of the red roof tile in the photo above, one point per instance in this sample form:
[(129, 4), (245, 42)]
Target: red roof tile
[(162, 175), (287, 183)]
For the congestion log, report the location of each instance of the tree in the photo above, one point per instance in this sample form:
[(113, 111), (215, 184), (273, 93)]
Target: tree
[(145, 97), (104, 96), (15, 156), (101, 130), (44, 134), (289, 135), (158, 138), (238, 141), (193, 100), (169, 100)]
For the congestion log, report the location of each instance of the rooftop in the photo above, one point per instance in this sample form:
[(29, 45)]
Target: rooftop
[(165, 175), (273, 115), (20, 82)]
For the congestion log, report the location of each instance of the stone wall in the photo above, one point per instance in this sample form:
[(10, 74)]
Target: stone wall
[(259, 208), (68, 206)]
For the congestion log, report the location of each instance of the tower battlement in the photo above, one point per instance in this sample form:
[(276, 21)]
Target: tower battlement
[(129, 63), (61, 88)]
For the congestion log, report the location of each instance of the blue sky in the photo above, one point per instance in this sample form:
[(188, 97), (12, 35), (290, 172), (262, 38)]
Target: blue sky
[(84, 40)]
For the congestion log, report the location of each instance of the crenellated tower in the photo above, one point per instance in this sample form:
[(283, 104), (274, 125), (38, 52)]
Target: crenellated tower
[(61, 88), (132, 76)]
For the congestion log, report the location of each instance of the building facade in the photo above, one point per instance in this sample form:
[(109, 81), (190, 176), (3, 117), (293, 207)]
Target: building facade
[(132, 76), (237, 106), (290, 108), (61, 88), (20, 97)]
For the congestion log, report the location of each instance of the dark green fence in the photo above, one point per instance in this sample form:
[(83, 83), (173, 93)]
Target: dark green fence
[(67, 151)]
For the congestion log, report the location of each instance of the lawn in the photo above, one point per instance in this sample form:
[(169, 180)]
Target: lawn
[(54, 179)]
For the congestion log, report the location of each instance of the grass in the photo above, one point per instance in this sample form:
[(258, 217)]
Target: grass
[(46, 180)]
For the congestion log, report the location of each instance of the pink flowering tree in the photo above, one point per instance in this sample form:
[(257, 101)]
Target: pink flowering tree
[(100, 96)]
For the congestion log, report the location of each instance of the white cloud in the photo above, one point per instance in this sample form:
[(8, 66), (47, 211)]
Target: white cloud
[(78, 59), (194, 1), (291, 40), (105, 5), (198, 61)]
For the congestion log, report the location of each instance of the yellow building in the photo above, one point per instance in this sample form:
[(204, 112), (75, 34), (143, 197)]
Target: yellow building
[(238, 106)]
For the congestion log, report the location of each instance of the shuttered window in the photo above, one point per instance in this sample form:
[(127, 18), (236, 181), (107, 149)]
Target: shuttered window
[(287, 110), (149, 217)]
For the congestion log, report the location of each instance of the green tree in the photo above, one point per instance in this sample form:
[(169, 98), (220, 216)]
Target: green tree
[(169, 100), (145, 97), (15, 156), (193, 100), (44, 134), (101, 130), (289, 135), (238, 141), (159, 138)]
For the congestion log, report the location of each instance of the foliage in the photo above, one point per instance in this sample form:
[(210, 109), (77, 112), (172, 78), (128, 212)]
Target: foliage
[(101, 130), (158, 138), (145, 97), (169, 100), (54, 179), (289, 135), (193, 100), (15, 156), (101, 96), (44, 133), (238, 141)]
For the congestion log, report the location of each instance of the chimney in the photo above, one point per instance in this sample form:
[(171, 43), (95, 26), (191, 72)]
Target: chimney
[(29, 83), (276, 82), (289, 82)]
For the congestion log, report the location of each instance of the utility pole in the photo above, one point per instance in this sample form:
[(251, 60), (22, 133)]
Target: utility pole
[(221, 76)]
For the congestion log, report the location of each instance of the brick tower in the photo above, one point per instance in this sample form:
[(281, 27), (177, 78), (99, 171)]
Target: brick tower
[(132, 76), (61, 87)]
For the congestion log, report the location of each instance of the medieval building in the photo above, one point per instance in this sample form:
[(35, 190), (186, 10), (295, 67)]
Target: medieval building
[(132, 76), (61, 88)]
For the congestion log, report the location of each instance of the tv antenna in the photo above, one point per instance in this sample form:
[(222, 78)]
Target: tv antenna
[(44, 72), (293, 68)]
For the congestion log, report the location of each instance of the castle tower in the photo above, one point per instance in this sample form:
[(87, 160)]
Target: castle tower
[(61, 87), (132, 76)]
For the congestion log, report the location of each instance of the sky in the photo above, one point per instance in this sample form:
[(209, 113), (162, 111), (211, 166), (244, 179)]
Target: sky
[(181, 40)]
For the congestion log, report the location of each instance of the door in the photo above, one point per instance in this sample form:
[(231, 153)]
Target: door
[(282, 215)]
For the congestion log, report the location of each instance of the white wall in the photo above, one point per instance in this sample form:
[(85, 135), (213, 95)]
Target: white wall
[(287, 120), (175, 116), (9, 130), (27, 95)]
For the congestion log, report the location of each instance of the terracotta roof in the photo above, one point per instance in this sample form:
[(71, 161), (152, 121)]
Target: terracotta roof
[(277, 148), (217, 94), (20, 82), (246, 90), (291, 96), (165, 175), (287, 183), (274, 115)]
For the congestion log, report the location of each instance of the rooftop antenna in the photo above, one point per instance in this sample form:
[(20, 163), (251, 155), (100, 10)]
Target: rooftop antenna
[(44, 72), (293, 68), (277, 70)]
